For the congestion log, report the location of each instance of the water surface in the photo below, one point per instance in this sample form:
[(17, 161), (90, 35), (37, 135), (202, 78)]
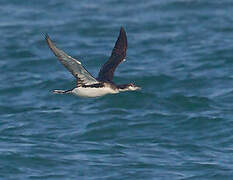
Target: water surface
[(179, 126)]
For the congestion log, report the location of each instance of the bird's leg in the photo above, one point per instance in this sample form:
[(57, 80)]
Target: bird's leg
[(62, 91)]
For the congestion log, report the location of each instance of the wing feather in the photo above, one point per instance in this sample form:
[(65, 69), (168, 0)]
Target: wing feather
[(73, 65), (118, 55)]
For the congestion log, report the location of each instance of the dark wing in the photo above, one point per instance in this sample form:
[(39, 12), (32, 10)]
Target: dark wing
[(73, 65), (117, 56)]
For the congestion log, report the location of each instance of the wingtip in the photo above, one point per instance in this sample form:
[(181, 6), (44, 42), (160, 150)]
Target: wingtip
[(122, 30), (49, 41), (46, 36), (123, 35)]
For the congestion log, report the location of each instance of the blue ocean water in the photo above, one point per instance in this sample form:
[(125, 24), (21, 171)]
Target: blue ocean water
[(179, 126)]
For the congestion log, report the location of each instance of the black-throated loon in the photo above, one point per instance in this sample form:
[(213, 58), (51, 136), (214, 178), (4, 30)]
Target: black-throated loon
[(87, 85)]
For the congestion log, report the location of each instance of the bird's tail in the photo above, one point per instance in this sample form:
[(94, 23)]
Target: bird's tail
[(62, 91)]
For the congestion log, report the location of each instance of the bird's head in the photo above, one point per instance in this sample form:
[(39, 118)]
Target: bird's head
[(133, 87), (129, 87)]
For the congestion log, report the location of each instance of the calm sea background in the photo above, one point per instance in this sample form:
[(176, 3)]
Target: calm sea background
[(179, 126)]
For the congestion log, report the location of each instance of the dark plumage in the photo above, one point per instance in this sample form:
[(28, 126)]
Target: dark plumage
[(118, 55)]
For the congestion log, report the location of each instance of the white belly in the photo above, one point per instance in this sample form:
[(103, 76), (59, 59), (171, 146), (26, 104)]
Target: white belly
[(93, 92)]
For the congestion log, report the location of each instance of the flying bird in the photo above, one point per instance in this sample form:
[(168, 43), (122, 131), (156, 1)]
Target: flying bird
[(87, 85)]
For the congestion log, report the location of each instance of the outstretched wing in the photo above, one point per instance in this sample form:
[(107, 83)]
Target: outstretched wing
[(118, 55), (73, 65)]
